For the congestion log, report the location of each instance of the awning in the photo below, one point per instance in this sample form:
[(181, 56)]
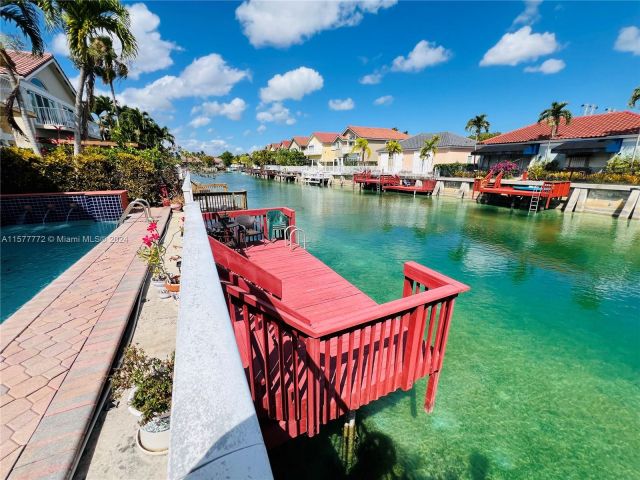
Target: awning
[(589, 146), (508, 149)]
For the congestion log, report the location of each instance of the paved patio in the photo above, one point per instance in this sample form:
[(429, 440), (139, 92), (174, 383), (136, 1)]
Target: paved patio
[(56, 353)]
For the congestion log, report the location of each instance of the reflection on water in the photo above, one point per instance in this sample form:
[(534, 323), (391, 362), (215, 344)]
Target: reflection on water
[(541, 373)]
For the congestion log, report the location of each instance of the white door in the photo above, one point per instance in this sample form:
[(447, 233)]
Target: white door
[(428, 165), (397, 162), (417, 163)]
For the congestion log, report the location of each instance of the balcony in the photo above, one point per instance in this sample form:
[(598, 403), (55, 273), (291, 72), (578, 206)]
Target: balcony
[(63, 119)]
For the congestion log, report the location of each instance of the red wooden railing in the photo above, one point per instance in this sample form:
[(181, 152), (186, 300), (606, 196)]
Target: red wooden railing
[(304, 375)]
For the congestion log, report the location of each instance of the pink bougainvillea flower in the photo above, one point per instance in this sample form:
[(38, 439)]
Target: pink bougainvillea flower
[(147, 241), (152, 226), (155, 236)]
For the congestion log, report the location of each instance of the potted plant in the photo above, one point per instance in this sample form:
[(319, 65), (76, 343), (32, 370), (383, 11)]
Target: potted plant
[(150, 382), (152, 252), (177, 202)]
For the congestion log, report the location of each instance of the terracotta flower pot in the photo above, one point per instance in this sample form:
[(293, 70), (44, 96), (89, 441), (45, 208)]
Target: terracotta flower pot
[(173, 287)]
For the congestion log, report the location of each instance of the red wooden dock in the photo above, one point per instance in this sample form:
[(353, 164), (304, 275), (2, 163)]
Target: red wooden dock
[(367, 179), (548, 190), (313, 345), (426, 188)]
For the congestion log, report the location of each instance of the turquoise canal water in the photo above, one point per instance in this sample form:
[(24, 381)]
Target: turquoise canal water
[(33, 255), (541, 374)]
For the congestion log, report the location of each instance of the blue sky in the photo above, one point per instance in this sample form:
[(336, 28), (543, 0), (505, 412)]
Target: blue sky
[(234, 76)]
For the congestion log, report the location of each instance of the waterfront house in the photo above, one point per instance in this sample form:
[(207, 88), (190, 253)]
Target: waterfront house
[(49, 98), (585, 144), (299, 144), (320, 148), (377, 138), (452, 148)]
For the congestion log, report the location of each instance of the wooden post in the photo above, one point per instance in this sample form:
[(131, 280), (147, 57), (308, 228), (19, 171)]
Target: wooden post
[(348, 440)]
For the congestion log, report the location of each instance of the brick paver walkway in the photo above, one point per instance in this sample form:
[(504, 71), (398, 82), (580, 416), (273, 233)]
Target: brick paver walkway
[(56, 354)]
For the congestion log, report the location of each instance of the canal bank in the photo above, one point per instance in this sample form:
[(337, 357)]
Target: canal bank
[(619, 201), (542, 356)]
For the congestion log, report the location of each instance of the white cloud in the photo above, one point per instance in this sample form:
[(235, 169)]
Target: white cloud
[(59, 45), (530, 14), (384, 100), (261, 128), (293, 84), (276, 113), (423, 55), (205, 76), (346, 104), (211, 147), (552, 65), (246, 133), (232, 110), (628, 40), (199, 122), (154, 53), (520, 46), (282, 24), (255, 148), (371, 79)]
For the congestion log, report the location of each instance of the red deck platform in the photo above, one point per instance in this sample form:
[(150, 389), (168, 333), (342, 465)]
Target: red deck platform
[(426, 188), (548, 190), (313, 345)]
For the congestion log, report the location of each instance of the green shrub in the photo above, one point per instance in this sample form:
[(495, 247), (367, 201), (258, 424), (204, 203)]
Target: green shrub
[(619, 164), (22, 171), (460, 170), (140, 172)]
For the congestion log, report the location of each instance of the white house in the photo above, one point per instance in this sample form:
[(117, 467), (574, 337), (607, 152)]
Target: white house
[(49, 98), (586, 143)]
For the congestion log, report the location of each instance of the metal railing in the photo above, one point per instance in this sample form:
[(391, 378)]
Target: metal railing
[(209, 187), (55, 116), (138, 202), (220, 201)]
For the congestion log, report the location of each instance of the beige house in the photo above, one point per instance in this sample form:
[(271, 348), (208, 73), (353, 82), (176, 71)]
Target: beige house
[(320, 148), (452, 148), (49, 98), (299, 144), (377, 138)]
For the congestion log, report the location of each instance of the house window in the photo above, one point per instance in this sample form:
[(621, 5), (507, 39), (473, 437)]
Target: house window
[(38, 83)]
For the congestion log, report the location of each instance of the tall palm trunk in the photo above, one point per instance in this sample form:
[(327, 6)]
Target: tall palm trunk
[(77, 138), (115, 103), (28, 126)]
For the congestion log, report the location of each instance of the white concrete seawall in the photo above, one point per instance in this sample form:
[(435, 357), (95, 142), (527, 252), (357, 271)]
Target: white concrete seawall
[(214, 428)]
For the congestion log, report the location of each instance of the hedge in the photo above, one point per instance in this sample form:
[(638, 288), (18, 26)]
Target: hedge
[(141, 172)]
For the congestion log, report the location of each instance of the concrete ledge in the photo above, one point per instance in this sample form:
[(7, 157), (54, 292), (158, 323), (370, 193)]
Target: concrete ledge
[(214, 428)]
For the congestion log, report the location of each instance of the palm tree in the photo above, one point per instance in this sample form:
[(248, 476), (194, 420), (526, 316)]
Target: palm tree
[(393, 147), (362, 145), (23, 14), (635, 96), (103, 108), (552, 116), (109, 67), (83, 22), (430, 148), (476, 125)]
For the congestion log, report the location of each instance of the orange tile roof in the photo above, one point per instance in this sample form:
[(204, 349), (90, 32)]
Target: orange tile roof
[(326, 137), (376, 133), (590, 126), (285, 143), (26, 63), (302, 141)]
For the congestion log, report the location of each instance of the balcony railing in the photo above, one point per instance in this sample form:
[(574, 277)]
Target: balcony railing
[(55, 116)]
